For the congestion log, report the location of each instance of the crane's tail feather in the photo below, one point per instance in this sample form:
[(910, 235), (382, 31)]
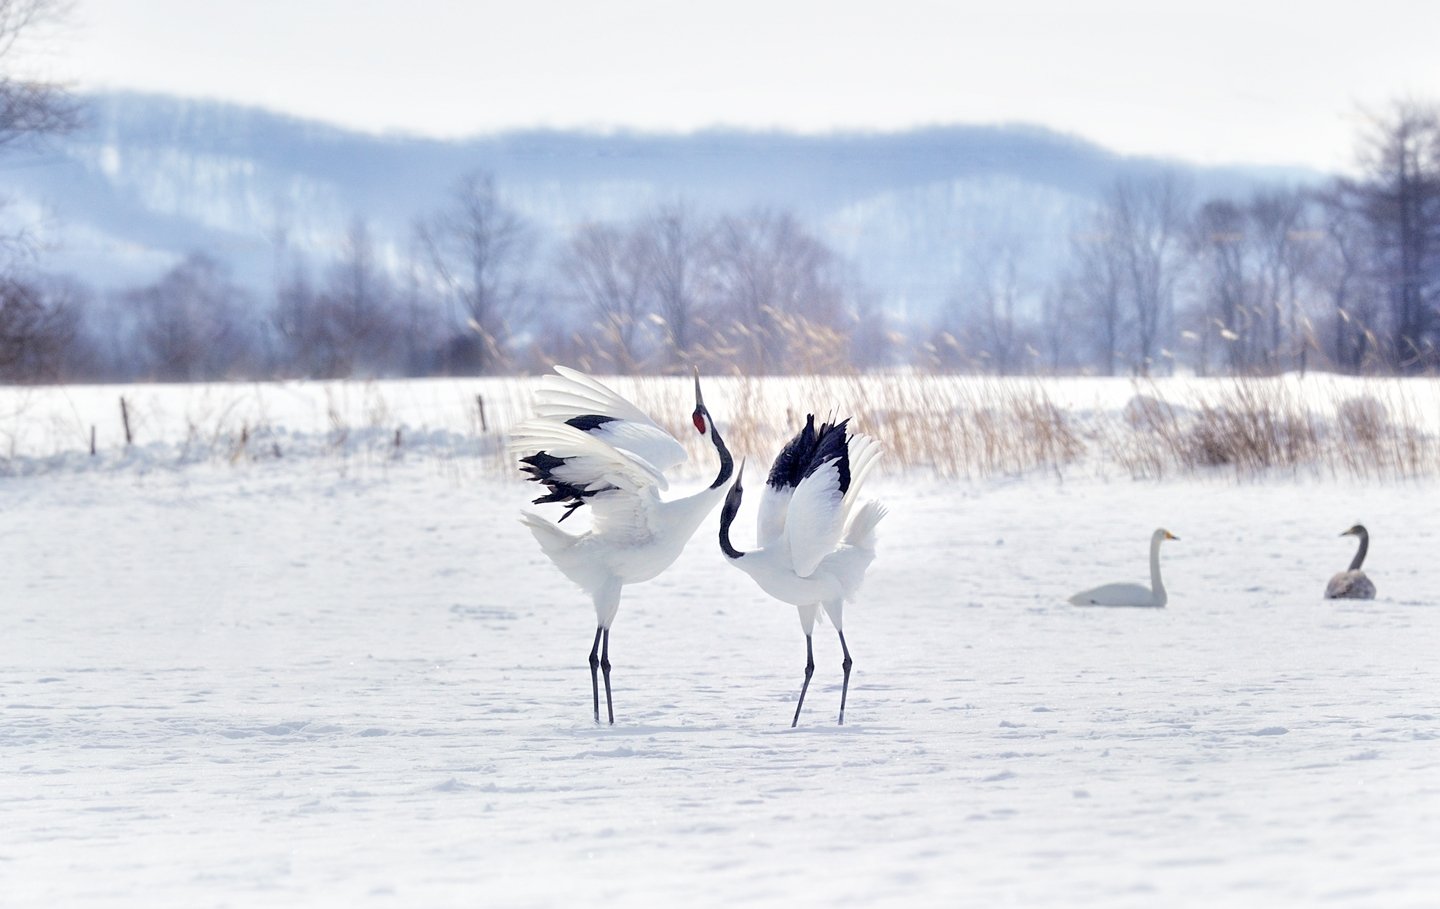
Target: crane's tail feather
[(860, 533), (865, 451), (553, 541)]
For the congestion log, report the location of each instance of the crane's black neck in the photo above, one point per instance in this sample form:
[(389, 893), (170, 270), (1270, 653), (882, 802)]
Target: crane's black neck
[(727, 517), (1364, 548), (727, 463)]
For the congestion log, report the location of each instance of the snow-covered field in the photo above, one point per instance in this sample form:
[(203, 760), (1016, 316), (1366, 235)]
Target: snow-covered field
[(351, 679)]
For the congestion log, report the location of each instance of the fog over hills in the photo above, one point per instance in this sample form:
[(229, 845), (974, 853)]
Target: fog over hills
[(151, 178)]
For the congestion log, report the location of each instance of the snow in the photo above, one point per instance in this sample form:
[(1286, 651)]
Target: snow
[(350, 678)]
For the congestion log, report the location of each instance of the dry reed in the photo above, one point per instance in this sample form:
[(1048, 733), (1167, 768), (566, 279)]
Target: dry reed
[(971, 427)]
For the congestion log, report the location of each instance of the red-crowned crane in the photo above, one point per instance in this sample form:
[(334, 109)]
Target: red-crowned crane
[(816, 538), (589, 446)]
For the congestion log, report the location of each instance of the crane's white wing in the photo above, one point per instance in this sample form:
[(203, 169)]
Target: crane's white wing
[(572, 397), (774, 502), (864, 451), (780, 483), (815, 520), (625, 518), (571, 393), (578, 459)]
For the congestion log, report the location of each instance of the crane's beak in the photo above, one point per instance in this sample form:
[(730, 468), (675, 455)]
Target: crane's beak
[(739, 473), (701, 415), (1171, 536)]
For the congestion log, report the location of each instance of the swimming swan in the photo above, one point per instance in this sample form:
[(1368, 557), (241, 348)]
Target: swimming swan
[(1131, 594), (1352, 584)]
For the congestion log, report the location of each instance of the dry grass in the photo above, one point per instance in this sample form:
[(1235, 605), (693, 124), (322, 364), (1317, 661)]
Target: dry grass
[(948, 426), (968, 427), (1253, 426)]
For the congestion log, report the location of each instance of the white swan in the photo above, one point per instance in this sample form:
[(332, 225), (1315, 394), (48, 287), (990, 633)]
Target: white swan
[(1131, 594), (1352, 584)]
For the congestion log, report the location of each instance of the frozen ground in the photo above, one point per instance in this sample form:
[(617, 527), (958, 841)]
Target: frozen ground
[(339, 681)]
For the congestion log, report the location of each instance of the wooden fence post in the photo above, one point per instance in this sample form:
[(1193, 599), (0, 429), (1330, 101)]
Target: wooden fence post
[(125, 418)]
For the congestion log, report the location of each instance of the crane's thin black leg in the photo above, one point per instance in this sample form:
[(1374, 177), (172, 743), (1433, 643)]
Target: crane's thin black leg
[(594, 669), (845, 687), (605, 666), (809, 671)]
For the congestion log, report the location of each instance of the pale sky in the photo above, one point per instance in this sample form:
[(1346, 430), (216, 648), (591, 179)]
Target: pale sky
[(1220, 81)]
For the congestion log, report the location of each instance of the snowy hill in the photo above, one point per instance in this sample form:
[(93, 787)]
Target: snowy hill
[(151, 178)]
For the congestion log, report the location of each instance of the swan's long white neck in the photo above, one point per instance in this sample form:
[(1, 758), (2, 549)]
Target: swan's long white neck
[(1156, 585)]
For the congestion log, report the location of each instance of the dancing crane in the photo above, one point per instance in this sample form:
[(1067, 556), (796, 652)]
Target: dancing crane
[(590, 446), (815, 544)]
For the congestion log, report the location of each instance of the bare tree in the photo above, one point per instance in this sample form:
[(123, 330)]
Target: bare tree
[(778, 286), (1220, 250), (1400, 196), (1148, 219), (989, 302), (351, 325), (191, 324), (308, 346), (29, 107), (1347, 275), (360, 300), (873, 342), (478, 248), (1097, 282), (1056, 328), (607, 269), (1279, 234), (38, 327), (419, 313), (675, 244)]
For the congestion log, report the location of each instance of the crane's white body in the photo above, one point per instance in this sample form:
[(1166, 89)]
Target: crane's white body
[(1124, 594), (619, 465), (635, 537), (835, 579), (815, 542)]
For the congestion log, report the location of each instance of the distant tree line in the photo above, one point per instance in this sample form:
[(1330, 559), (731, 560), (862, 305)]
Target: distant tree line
[(473, 294), (1344, 277)]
